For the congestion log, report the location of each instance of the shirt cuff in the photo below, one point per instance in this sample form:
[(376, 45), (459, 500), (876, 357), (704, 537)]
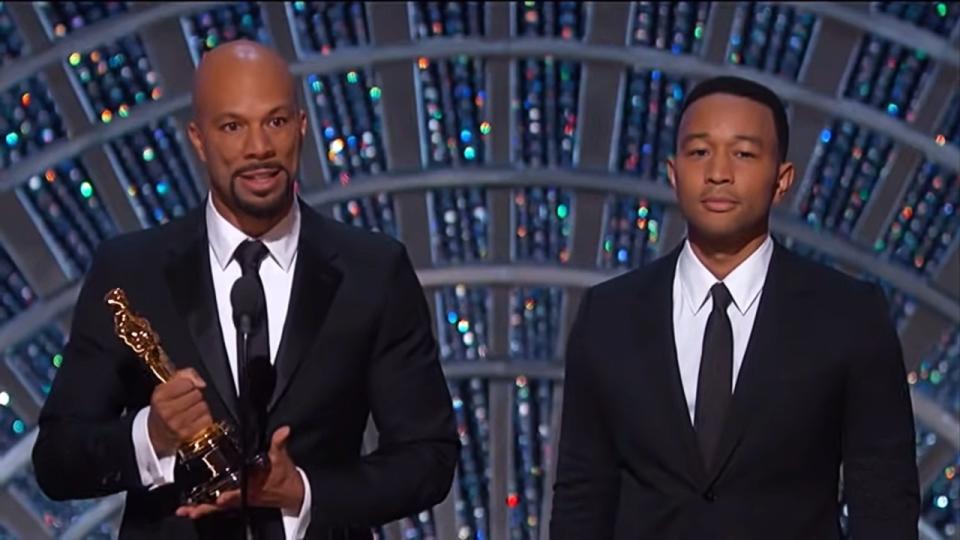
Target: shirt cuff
[(154, 471), (295, 526)]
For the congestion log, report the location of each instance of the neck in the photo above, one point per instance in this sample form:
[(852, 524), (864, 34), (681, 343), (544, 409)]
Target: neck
[(722, 257), (252, 226)]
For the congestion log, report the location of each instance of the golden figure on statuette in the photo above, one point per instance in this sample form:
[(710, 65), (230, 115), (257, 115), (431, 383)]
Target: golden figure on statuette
[(211, 459)]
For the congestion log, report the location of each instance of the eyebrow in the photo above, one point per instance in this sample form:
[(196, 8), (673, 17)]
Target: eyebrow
[(740, 137), (231, 115)]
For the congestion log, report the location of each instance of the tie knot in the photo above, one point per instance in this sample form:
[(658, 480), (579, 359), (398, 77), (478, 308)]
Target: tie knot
[(721, 296), (249, 254)]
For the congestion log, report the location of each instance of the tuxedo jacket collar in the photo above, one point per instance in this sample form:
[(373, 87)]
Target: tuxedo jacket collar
[(315, 281), (783, 285)]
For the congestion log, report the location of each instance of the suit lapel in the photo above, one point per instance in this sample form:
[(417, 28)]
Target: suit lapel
[(191, 288), (773, 314), (315, 282), (658, 305)]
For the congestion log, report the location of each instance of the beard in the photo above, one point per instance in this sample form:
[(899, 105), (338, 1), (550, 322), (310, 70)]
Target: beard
[(264, 207)]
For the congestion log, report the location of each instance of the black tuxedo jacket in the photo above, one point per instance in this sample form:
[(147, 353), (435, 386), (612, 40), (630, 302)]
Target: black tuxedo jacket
[(822, 384), (357, 340)]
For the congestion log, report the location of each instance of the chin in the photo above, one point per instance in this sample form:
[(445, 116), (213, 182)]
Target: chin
[(724, 235), (266, 206)]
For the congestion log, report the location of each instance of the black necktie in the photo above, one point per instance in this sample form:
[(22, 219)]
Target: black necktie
[(260, 376), (716, 375)]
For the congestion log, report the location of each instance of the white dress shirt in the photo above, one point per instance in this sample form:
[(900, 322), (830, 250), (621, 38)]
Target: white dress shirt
[(692, 304), (276, 273)]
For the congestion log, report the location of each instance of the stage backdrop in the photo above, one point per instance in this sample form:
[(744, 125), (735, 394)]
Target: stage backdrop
[(518, 149)]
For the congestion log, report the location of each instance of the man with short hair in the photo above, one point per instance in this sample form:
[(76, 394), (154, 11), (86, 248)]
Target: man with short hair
[(716, 393), (345, 333)]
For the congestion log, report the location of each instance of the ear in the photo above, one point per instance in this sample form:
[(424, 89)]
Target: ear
[(303, 123), (672, 173), (197, 141), (785, 177)]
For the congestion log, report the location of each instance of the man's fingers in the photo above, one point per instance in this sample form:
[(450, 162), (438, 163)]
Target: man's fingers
[(174, 388), (191, 375), (229, 499), (278, 442), (180, 402), (197, 510), (196, 412), (182, 382)]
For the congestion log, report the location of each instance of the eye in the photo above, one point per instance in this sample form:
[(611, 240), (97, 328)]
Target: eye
[(277, 122), (697, 152), (230, 127), (745, 155)]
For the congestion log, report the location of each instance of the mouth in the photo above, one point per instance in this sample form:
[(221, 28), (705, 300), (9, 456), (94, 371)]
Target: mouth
[(260, 179), (718, 204)]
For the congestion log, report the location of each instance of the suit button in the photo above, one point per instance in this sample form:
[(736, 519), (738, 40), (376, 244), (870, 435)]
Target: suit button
[(710, 496)]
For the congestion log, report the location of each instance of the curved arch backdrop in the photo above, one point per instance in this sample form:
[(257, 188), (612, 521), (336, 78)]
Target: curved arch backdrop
[(517, 148)]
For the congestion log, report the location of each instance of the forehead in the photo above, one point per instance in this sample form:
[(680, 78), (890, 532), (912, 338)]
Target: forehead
[(243, 89), (728, 113)]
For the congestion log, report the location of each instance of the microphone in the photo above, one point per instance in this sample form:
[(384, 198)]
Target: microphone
[(248, 302)]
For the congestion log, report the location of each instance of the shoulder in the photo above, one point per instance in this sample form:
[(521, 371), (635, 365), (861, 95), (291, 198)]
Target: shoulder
[(136, 248), (824, 280), (841, 305), (353, 245), (645, 280)]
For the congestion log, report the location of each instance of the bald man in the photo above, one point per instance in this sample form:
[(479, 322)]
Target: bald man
[(344, 335)]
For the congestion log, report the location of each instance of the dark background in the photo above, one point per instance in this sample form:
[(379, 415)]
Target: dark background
[(518, 150)]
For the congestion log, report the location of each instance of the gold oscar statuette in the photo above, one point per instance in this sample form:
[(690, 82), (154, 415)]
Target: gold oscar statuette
[(211, 459)]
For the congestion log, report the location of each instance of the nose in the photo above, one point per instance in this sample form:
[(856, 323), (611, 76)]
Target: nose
[(257, 145), (719, 169)]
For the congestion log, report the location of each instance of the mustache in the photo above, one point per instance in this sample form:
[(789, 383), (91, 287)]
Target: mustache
[(261, 165), (714, 193)]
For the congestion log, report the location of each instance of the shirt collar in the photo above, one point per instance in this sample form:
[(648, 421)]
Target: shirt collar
[(281, 240), (744, 283)]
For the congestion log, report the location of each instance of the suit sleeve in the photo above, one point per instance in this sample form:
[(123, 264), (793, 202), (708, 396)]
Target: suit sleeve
[(84, 447), (879, 453), (586, 493), (412, 469)]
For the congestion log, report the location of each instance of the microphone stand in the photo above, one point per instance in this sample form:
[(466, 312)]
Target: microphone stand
[(242, 338)]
